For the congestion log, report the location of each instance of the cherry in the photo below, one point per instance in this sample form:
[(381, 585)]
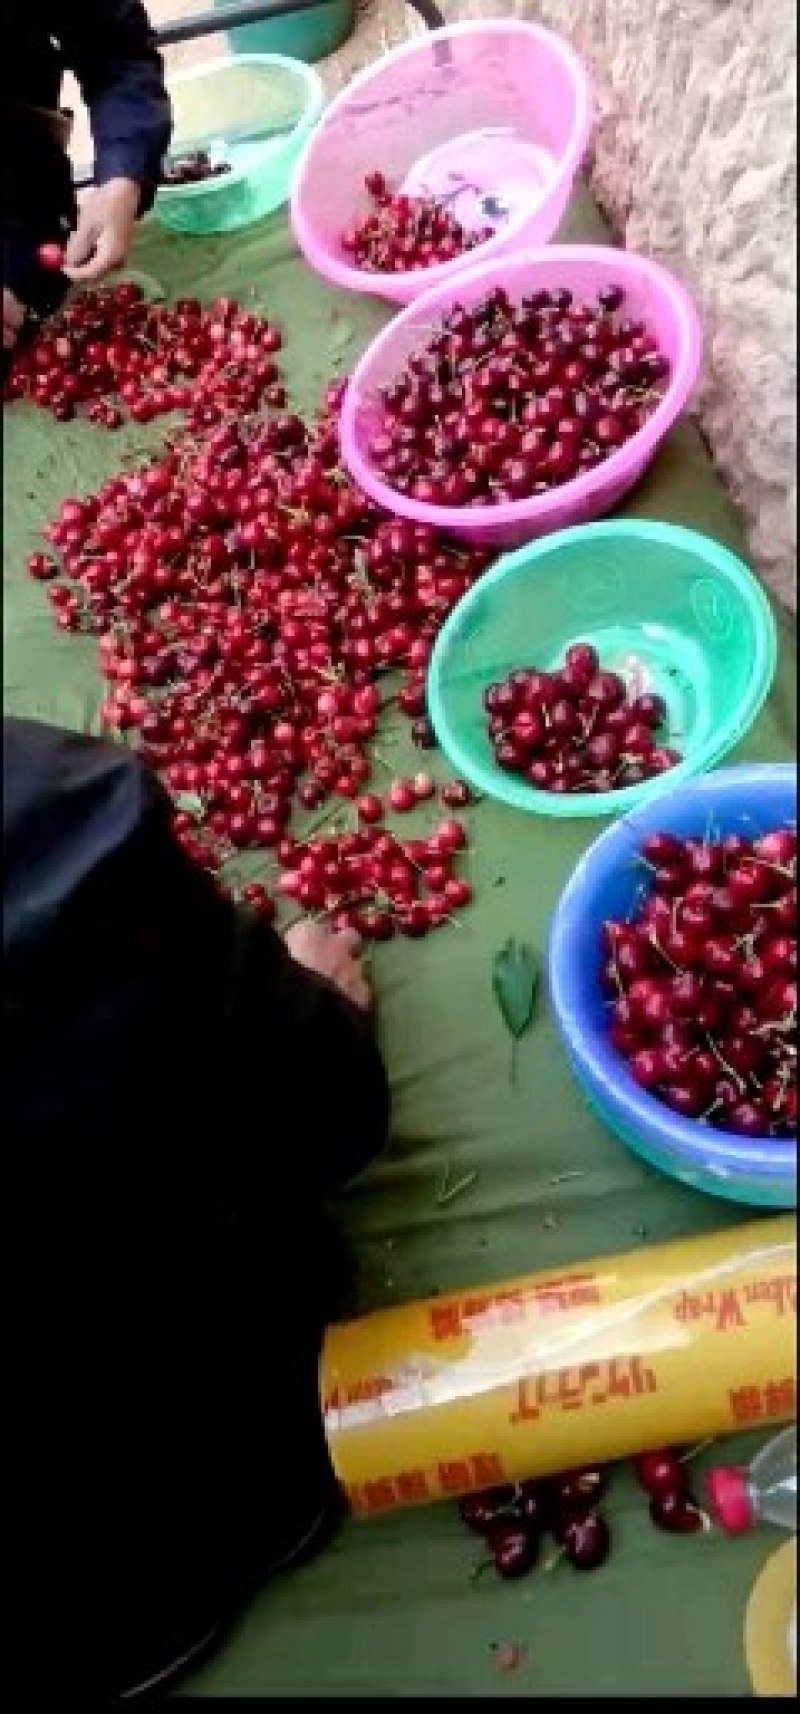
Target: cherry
[(778, 848), (586, 1540), (374, 924), (456, 794), (370, 808), (51, 257), (514, 1549), (449, 837), (42, 567), (659, 1472), (530, 1506), (673, 1510), (579, 1490), (481, 1511), (402, 796), (257, 896)]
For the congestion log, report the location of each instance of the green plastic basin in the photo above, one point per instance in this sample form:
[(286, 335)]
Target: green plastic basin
[(254, 112), (668, 609), (308, 35)]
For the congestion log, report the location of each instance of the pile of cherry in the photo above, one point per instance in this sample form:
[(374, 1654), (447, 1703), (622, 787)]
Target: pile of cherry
[(369, 880), (112, 353), (256, 614), (400, 233), (508, 401), (702, 980), (512, 1520), (192, 168), (578, 729)]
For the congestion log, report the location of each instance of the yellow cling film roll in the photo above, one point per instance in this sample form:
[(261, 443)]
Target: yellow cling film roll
[(670, 1344)]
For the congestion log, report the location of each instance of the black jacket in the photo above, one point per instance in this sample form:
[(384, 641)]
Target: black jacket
[(178, 1095), (110, 47)]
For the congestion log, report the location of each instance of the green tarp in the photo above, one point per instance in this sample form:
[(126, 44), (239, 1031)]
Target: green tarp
[(392, 1607)]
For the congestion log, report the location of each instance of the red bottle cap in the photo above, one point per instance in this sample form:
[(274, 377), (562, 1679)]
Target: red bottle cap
[(730, 1498)]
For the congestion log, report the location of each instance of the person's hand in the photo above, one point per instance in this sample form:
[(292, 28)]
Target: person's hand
[(104, 233), (13, 318), (335, 956)]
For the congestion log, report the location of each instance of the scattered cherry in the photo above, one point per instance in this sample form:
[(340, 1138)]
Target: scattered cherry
[(675, 1511), (480, 1512), (659, 1472), (578, 1491), (247, 598), (456, 794), (513, 1519), (514, 1549), (42, 567), (586, 1541), (115, 354), (530, 1506)]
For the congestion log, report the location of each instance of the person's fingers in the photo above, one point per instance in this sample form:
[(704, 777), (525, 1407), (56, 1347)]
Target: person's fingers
[(349, 941), (13, 311), (13, 318), (81, 243), (109, 252), (359, 991)]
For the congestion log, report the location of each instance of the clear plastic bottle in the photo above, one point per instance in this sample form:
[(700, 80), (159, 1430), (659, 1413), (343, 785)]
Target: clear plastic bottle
[(765, 1493)]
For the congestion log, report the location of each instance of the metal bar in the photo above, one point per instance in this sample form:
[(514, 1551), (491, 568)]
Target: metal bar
[(243, 12), (230, 18)]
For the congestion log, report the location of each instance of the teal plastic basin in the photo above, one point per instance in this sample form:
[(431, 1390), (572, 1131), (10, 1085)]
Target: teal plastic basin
[(254, 112), (306, 35), (670, 610)]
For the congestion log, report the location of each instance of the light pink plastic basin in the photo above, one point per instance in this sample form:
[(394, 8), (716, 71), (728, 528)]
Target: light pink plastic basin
[(493, 117), (652, 295)]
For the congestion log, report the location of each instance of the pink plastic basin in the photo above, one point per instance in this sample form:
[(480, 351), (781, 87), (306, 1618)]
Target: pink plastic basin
[(495, 117), (652, 295)]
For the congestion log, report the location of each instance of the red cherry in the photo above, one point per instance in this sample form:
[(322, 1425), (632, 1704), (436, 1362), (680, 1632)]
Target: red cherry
[(51, 257), (675, 1511), (586, 1541), (659, 1472), (515, 1550)]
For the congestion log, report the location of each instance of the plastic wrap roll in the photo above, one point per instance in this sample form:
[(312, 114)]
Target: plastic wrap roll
[(670, 1344)]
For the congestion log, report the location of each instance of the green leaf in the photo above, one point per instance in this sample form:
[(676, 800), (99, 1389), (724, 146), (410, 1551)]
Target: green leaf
[(515, 980)]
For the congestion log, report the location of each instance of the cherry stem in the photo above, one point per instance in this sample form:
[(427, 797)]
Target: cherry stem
[(694, 1451)]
